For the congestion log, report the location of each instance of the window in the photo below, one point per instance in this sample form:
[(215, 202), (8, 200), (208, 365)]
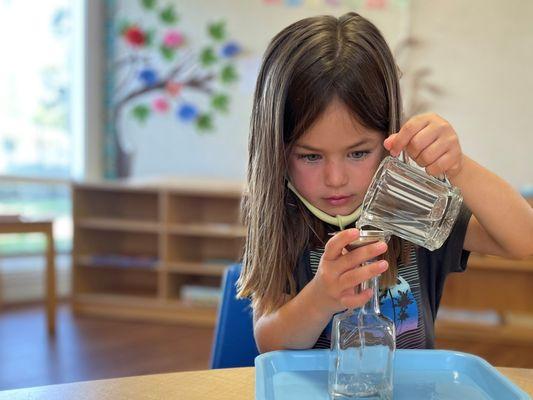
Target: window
[(36, 131)]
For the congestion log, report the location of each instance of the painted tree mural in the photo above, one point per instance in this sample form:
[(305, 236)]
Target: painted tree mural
[(158, 70)]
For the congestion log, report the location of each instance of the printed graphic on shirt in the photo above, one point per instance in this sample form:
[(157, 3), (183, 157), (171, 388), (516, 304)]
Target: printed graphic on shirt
[(398, 303), (402, 303)]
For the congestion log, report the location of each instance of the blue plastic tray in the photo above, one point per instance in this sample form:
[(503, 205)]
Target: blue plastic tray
[(418, 374)]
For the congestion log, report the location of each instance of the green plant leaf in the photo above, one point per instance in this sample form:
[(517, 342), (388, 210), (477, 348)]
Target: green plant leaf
[(123, 26), (208, 57), (220, 102), (141, 112), (217, 30), (168, 15), (148, 4), (228, 74), (204, 122), (149, 38), (167, 53)]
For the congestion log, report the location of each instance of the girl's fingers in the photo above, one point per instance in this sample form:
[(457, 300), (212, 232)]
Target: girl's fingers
[(432, 153), (355, 276), (408, 130), (442, 165), (387, 143), (360, 255), (421, 141), (355, 300), (334, 246)]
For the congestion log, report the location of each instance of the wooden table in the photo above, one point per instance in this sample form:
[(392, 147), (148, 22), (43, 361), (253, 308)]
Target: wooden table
[(46, 228), (231, 384)]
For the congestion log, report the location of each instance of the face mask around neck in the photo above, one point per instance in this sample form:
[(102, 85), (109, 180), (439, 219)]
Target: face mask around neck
[(339, 220)]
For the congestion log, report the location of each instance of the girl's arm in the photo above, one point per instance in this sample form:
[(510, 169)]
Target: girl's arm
[(295, 325), (502, 221), (299, 322)]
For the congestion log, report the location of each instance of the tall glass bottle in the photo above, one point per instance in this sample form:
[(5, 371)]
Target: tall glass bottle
[(363, 342)]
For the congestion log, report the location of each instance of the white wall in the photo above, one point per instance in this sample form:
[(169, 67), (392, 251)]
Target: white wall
[(167, 147), (481, 54)]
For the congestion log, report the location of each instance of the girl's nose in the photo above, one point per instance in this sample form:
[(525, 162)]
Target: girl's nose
[(335, 174)]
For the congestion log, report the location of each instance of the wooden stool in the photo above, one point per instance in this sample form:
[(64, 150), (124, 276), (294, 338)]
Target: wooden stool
[(45, 227)]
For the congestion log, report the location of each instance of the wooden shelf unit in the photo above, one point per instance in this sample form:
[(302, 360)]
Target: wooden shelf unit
[(500, 287), (137, 244), (497, 285)]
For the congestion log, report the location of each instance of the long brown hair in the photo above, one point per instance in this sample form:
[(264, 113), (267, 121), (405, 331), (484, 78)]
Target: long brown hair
[(304, 67)]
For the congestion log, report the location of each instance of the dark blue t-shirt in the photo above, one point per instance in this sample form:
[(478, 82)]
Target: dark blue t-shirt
[(413, 302)]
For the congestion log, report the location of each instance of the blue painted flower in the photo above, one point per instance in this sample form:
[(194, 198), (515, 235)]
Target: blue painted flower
[(187, 112), (148, 76), (230, 49), (293, 3)]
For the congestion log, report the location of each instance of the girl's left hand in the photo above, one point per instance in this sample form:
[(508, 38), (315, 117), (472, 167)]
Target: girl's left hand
[(431, 142)]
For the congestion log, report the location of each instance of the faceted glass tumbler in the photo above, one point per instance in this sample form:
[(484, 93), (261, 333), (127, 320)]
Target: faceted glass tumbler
[(363, 342), (411, 204)]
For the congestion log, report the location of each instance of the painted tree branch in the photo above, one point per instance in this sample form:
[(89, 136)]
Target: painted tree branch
[(194, 82)]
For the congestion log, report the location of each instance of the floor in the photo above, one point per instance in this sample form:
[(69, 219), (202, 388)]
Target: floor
[(88, 348)]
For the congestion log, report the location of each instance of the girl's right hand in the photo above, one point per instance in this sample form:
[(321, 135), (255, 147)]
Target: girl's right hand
[(340, 272)]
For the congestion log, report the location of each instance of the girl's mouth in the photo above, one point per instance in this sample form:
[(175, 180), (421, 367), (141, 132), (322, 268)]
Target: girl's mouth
[(338, 200)]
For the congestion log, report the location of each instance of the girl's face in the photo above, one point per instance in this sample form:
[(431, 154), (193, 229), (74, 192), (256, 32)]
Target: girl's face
[(333, 162)]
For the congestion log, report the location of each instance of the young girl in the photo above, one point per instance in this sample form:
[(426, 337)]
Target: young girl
[(327, 109)]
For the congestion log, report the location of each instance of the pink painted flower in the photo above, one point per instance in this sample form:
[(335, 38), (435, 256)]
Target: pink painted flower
[(376, 4), (161, 104), (173, 88), (173, 39)]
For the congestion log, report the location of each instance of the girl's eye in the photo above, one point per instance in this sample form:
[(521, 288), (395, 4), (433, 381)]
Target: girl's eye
[(357, 155), (309, 157)]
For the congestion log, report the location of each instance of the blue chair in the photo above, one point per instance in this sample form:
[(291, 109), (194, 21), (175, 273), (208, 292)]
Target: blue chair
[(234, 343)]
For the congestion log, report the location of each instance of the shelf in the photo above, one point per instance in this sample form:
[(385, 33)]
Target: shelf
[(98, 242), (199, 210), (493, 263), (206, 229), (198, 268), (144, 250), (503, 333), (119, 299), (496, 287), (143, 308), (134, 282), (201, 249), (200, 296), (116, 224), (118, 261), (116, 204)]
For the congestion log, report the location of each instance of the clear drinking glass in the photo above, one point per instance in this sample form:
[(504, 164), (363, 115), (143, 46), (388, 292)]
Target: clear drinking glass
[(363, 342), (411, 204)]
